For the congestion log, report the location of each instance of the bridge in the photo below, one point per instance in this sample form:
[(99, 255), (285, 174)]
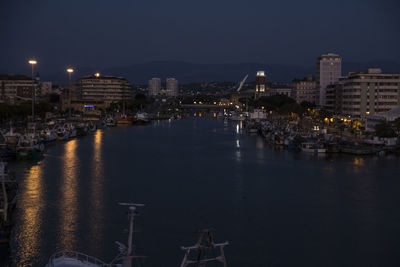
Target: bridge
[(207, 106)]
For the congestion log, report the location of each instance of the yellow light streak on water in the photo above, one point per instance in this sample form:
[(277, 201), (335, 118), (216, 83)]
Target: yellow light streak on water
[(69, 194), (97, 190), (32, 202)]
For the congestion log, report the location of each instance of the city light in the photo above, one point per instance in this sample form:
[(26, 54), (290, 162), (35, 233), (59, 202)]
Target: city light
[(97, 74), (70, 70), (33, 62)]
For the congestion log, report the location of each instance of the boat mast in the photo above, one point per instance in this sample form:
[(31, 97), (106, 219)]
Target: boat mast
[(4, 178), (202, 248), (127, 259)]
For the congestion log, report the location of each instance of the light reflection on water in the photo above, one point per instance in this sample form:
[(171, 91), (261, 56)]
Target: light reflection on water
[(298, 207), (96, 190), (31, 216), (69, 202)]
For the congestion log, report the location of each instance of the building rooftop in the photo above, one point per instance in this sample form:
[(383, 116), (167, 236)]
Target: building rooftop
[(14, 77), (330, 55), (308, 78), (279, 85), (388, 115), (370, 72), (102, 77)]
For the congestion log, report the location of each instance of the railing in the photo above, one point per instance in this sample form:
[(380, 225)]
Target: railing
[(83, 258)]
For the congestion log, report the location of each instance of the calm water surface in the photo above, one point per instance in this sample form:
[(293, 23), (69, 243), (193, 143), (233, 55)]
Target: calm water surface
[(277, 208)]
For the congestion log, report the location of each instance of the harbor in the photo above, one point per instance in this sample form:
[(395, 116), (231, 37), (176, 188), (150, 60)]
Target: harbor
[(199, 134), (312, 135), (68, 200)]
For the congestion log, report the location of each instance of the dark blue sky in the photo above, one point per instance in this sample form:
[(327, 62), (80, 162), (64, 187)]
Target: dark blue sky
[(105, 33)]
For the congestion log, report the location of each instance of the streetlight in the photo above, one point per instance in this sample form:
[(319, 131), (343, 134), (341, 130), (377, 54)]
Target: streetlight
[(33, 62), (70, 70), (97, 74)]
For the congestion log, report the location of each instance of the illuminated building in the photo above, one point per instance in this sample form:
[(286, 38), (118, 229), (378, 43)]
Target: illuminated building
[(365, 93), (103, 88), (305, 90), (154, 86), (14, 88), (261, 83), (329, 70), (171, 86)]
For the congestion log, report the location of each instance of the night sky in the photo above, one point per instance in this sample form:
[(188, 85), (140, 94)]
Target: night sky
[(105, 33)]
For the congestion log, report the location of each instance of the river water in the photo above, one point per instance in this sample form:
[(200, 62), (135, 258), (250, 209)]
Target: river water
[(275, 207)]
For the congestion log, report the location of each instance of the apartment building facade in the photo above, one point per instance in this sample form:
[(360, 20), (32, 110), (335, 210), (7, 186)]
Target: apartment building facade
[(365, 93), (305, 90), (103, 88)]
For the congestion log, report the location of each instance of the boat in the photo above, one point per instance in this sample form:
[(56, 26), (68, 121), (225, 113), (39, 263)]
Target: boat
[(62, 134), (125, 258), (142, 117), (92, 127), (48, 136), (8, 198), (234, 116), (258, 114), (123, 119), (252, 127), (5, 152), (82, 129), (311, 147), (11, 139), (71, 129), (109, 121), (29, 147)]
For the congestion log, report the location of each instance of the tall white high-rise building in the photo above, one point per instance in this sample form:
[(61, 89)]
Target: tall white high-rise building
[(154, 86), (329, 70), (172, 87)]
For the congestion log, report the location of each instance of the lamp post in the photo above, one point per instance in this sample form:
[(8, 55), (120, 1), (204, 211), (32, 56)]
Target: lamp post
[(33, 62), (70, 71)]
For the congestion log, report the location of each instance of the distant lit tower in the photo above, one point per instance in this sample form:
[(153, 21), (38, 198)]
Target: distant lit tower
[(154, 86), (329, 70), (261, 83), (172, 87)]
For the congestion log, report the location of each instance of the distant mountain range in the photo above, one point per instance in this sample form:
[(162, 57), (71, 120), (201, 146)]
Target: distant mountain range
[(187, 72), (194, 72)]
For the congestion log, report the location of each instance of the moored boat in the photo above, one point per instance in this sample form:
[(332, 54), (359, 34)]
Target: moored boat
[(8, 198), (124, 120), (142, 117), (29, 147), (311, 147), (62, 134), (125, 258), (48, 136)]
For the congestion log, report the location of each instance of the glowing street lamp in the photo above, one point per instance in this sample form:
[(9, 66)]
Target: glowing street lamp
[(33, 62), (70, 70), (97, 75)]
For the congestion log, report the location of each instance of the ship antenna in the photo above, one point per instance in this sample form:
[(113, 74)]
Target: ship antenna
[(204, 245), (127, 251)]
